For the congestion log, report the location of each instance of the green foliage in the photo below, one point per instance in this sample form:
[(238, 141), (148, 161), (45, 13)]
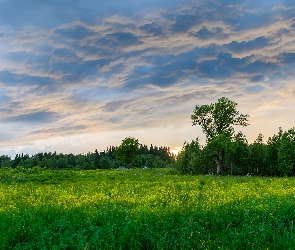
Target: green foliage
[(217, 121), (153, 157), (231, 153), (237, 157), (218, 118), (286, 153), (149, 160), (276, 157), (257, 158), (220, 147), (126, 151), (5, 161), (189, 159), (143, 209), (271, 156)]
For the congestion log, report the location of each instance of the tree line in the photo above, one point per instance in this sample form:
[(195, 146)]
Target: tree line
[(229, 153), (151, 157), (274, 157)]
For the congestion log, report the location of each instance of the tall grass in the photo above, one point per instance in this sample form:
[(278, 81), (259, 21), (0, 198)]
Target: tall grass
[(144, 209)]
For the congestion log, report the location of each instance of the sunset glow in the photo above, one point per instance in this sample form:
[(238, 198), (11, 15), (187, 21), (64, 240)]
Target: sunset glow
[(81, 75)]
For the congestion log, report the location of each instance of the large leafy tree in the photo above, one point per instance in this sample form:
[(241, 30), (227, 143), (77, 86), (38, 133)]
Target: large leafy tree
[(218, 118), (217, 121), (126, 151)]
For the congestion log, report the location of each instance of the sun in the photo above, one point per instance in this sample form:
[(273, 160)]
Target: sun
[(175, 151)]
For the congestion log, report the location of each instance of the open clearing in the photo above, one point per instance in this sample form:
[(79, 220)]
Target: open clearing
[(143, 209)]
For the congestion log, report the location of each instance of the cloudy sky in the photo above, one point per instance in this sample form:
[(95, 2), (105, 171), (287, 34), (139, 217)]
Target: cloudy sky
[(79, 75)]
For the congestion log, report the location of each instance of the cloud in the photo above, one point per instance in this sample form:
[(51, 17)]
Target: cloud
[(78, 32), (255, 44), (4, 137), (9, 78), (35, 117), (153, 29), (118, 39), (183, 22), (70, 67), (255, 88), (205, 33), (65, 130), (257, 78), (287, 58)]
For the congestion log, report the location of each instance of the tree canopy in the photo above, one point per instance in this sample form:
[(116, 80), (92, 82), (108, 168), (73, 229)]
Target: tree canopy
[(126, 151), (218, 118), (217, 121)]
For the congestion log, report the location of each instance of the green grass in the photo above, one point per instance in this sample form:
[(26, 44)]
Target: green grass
[(143, 209)]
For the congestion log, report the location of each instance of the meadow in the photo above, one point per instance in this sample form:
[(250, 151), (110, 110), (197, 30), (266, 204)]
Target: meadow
[(143, 209)]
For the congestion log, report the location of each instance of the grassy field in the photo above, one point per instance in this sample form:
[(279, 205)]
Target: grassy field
[(143, 209)]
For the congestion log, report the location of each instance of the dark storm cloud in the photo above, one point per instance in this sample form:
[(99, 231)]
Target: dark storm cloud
[(36, 117)]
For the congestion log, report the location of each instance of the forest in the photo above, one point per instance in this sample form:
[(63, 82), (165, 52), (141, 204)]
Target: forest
[(229, 153), (152, 157), (274, 157)]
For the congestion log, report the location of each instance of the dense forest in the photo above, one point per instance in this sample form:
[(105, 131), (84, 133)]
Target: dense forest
[(228, 153), (274, 157), (152, 157)]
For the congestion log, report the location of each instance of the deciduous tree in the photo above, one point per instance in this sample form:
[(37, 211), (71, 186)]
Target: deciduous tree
[(126, 151), (217, 121), (218, 118)]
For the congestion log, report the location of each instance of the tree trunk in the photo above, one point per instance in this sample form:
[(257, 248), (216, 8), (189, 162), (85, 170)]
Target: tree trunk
[(218, 165)]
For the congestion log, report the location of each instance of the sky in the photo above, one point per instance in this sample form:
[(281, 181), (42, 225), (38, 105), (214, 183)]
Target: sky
[(76, 75)]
